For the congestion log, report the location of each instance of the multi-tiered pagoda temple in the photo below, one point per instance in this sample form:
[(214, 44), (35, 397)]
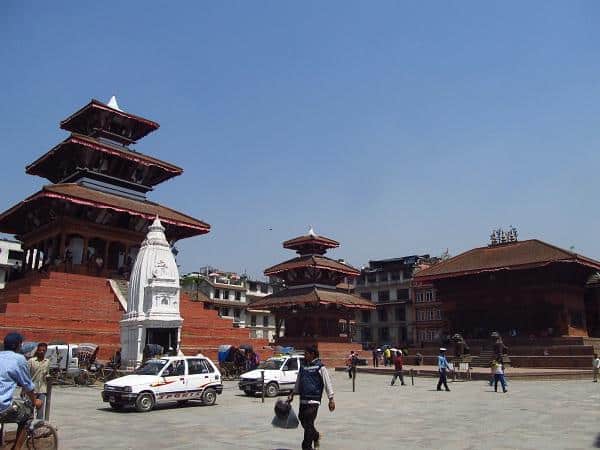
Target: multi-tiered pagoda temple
[(83, 232), (94, 215), (314, 308)]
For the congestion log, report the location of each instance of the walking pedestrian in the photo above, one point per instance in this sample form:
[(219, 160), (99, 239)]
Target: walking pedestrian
[(387, 356), (312, 379), (375, 357), (443, 367), (398, 361), (596, 367), (39, 368), (351, 363), (499, 375)]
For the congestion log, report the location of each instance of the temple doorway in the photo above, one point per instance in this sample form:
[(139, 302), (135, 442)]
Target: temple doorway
[(165, 337)]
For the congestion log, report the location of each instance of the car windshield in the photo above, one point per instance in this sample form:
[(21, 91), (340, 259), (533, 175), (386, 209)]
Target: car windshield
[(271, 364), (151, 367)]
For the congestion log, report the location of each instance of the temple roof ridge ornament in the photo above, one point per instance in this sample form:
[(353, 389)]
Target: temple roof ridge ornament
[(112, 103), (311, 243), (156, 234)]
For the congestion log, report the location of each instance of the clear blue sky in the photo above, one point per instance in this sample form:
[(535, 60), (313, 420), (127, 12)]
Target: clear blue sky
[(394, 127)]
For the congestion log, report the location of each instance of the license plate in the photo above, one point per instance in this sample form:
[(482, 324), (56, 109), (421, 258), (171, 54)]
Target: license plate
[(111, 398)]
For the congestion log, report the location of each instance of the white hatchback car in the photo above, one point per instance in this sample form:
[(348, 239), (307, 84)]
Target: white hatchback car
[(170, 379), (280, 375)]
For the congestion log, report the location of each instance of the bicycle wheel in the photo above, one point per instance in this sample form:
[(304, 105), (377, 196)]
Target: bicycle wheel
[(42, 437)]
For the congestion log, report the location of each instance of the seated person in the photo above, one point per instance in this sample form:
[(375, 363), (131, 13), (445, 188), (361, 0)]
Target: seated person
[(14, 372)]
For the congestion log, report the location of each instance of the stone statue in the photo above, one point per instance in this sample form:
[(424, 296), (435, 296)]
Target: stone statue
[(461, 347)]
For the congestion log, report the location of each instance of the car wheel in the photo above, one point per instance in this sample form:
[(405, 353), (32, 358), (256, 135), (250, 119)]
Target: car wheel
[(271, 390), (209, 397), (144, 402)]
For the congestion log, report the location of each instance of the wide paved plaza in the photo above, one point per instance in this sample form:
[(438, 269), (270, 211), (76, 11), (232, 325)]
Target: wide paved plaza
[(532, 415)]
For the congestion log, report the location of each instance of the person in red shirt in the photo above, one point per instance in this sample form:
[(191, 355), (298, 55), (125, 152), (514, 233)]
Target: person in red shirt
[(398, 361)]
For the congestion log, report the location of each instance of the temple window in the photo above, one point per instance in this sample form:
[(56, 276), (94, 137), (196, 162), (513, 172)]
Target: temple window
[(384, 334), (400, 313), (265, 321), (238, 295), (428, 296), (217, 294), (383, 296), (225, 295), (366, 316), (402, 294), (382, 313), (396, 276), (253, 320), (366, 334), (383, 277)]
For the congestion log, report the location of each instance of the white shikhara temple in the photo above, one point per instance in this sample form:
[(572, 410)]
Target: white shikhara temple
[(152, 315)]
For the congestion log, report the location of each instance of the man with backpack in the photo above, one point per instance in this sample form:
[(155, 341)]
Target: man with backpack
[(312, 379)]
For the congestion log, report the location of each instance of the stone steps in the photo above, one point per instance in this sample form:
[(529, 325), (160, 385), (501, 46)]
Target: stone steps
[(76, 308)]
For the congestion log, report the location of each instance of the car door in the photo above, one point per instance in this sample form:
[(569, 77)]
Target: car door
[(199, 375), (289, 373), (172, 383)]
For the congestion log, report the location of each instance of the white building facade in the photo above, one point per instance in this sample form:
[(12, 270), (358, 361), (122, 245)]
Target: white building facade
[(232, 296), (11, 257)]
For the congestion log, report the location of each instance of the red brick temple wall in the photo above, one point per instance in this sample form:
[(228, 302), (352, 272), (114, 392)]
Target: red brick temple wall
[(75, 308), (529, 301)]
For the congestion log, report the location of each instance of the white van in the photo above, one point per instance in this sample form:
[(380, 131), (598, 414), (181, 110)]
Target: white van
[(170, 379), (280, 375)]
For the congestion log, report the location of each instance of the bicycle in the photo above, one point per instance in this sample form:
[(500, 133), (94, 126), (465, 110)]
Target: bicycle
[(40, 435), (107, 373)]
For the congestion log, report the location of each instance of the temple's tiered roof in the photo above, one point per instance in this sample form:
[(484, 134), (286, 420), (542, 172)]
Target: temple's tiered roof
[(311, 244), (50, 197), (312, 278), (79, 151), (312, 296), (99, 180), (516, 255), (312, 261), (101, 120)]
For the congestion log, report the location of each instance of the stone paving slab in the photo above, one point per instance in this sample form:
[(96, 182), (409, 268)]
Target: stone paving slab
[(532, 415)]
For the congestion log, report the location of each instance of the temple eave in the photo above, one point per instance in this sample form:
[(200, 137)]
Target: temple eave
[(11, 220), (312, 296)]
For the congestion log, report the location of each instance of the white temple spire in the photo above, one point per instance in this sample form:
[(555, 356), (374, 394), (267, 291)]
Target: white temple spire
[(311, 232), (112, 103)]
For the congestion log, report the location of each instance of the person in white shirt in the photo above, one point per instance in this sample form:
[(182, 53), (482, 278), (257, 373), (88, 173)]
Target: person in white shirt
[(499, 375), (596, 367)]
